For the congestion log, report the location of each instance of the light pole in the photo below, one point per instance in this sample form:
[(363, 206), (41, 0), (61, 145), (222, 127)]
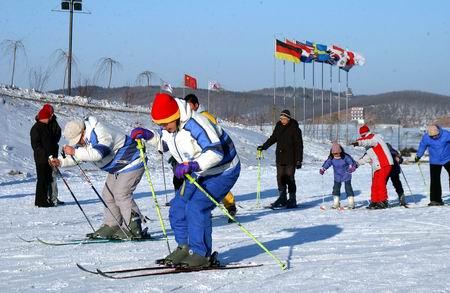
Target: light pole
[(71, 6)]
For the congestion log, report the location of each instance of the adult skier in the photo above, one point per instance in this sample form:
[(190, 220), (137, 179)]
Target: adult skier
[(203, 150), (117, 154), (437, 141)]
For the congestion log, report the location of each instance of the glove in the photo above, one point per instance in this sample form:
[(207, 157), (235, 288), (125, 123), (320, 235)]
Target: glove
[(322, 171), (355, 143), (260, 148), (140, 132), (298, 165), (351, 169), (416, 159), (186, 168)]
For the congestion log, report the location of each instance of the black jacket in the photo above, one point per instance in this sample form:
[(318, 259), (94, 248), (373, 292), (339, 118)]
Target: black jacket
[(44, 140), (289, 143)]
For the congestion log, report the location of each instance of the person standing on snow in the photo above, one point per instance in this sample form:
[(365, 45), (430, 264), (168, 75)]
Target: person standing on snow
[(228, 201), (437, 141), (205, 151), (45, 135), (289, 156), (395, 174), (379, 156), (118, 155), (343, 165)]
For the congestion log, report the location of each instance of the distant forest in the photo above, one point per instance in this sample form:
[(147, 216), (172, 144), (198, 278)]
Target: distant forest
[(408, 108)]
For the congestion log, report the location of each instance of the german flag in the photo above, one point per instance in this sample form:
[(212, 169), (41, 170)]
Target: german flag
[(287, 52)]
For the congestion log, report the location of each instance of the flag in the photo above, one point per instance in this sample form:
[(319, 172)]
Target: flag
[(321, 52), (339, 55), (214, 86), (307, 51), (190, 82), (287, 52), (165, 86)]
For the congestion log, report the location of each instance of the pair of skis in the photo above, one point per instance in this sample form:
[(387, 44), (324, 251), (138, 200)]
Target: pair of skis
[(81, 241), (159, 270)]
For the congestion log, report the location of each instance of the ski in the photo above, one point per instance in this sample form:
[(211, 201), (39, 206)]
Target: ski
[(89, 241), (169, 271), (25, 240), (150, 268)]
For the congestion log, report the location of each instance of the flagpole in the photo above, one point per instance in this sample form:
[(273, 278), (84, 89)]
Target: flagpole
[(321, 118), (294, 90), (284, 83), (313, 100), (346, 109), (274, 83), (304, 97), (331, 105), (339, 105), (208, 100)]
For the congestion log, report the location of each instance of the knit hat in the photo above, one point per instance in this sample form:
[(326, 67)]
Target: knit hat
[(432, 130), (73, 130), (165, 109), (46, 112), (363, 129), (285, 113), (336, 148)]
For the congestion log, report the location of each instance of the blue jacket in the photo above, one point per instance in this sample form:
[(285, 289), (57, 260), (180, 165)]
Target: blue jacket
[(340, 167), (438, 148)]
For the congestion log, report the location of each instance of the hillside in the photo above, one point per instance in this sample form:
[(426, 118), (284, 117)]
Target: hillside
[(411, 108)]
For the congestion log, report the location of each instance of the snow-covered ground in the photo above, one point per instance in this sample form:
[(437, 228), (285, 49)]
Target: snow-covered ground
[(393, 250)]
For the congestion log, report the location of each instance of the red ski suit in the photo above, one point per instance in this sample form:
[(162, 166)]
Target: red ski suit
[(379, 156)]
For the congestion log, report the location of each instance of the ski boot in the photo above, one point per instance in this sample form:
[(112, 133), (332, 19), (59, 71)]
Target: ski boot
[(292, 202), (175, 258), (336, 203), (104, 232), (133, 231), (194, 260), (401, 200), (281, 200), (232, 211), (351, 202)]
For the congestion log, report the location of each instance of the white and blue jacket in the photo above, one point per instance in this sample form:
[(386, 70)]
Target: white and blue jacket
[(198, 139), (108, 149)]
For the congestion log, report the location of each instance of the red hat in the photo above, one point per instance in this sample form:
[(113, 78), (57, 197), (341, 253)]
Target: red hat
[(46, 112), (165, 109), (363, 129)]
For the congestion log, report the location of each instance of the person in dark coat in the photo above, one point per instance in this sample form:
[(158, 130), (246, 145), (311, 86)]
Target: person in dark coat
[(45, 135), (289, 156), (395, 174)]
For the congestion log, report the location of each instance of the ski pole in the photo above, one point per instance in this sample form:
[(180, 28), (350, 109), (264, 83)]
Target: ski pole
[(164, 177), (140, 147), (101, 199), (407, 184), (259, 157), (224, 210), (423, 177), (73, 195)]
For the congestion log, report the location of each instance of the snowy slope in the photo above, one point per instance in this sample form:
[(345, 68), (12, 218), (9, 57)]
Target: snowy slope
[(393, 250)]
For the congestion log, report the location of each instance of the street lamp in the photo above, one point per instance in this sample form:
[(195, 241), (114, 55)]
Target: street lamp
[(71, 6)]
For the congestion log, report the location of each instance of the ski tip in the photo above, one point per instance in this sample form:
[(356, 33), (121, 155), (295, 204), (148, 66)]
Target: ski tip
[(103, 274)]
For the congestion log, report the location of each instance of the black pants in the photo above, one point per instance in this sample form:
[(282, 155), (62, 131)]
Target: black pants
[(435, 178), (43, 185), (395, 179), (286, 177), (348, 188)]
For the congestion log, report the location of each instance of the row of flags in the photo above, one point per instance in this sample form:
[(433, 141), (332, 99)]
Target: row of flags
[(191, 82), (295, 51)]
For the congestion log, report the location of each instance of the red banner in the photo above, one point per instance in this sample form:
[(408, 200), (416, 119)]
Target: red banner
[(190, 82)]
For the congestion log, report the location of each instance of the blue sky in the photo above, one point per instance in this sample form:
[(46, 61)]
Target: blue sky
[(405, 43)]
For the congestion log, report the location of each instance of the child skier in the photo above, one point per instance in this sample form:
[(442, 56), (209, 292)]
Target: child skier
[(343, 165), (395, 174)]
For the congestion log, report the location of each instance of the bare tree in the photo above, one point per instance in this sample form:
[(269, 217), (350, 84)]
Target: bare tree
[(105, 66), (145, 76), (62, 57), (85, 89), (38, 78), (14, 47), (128, 96)]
